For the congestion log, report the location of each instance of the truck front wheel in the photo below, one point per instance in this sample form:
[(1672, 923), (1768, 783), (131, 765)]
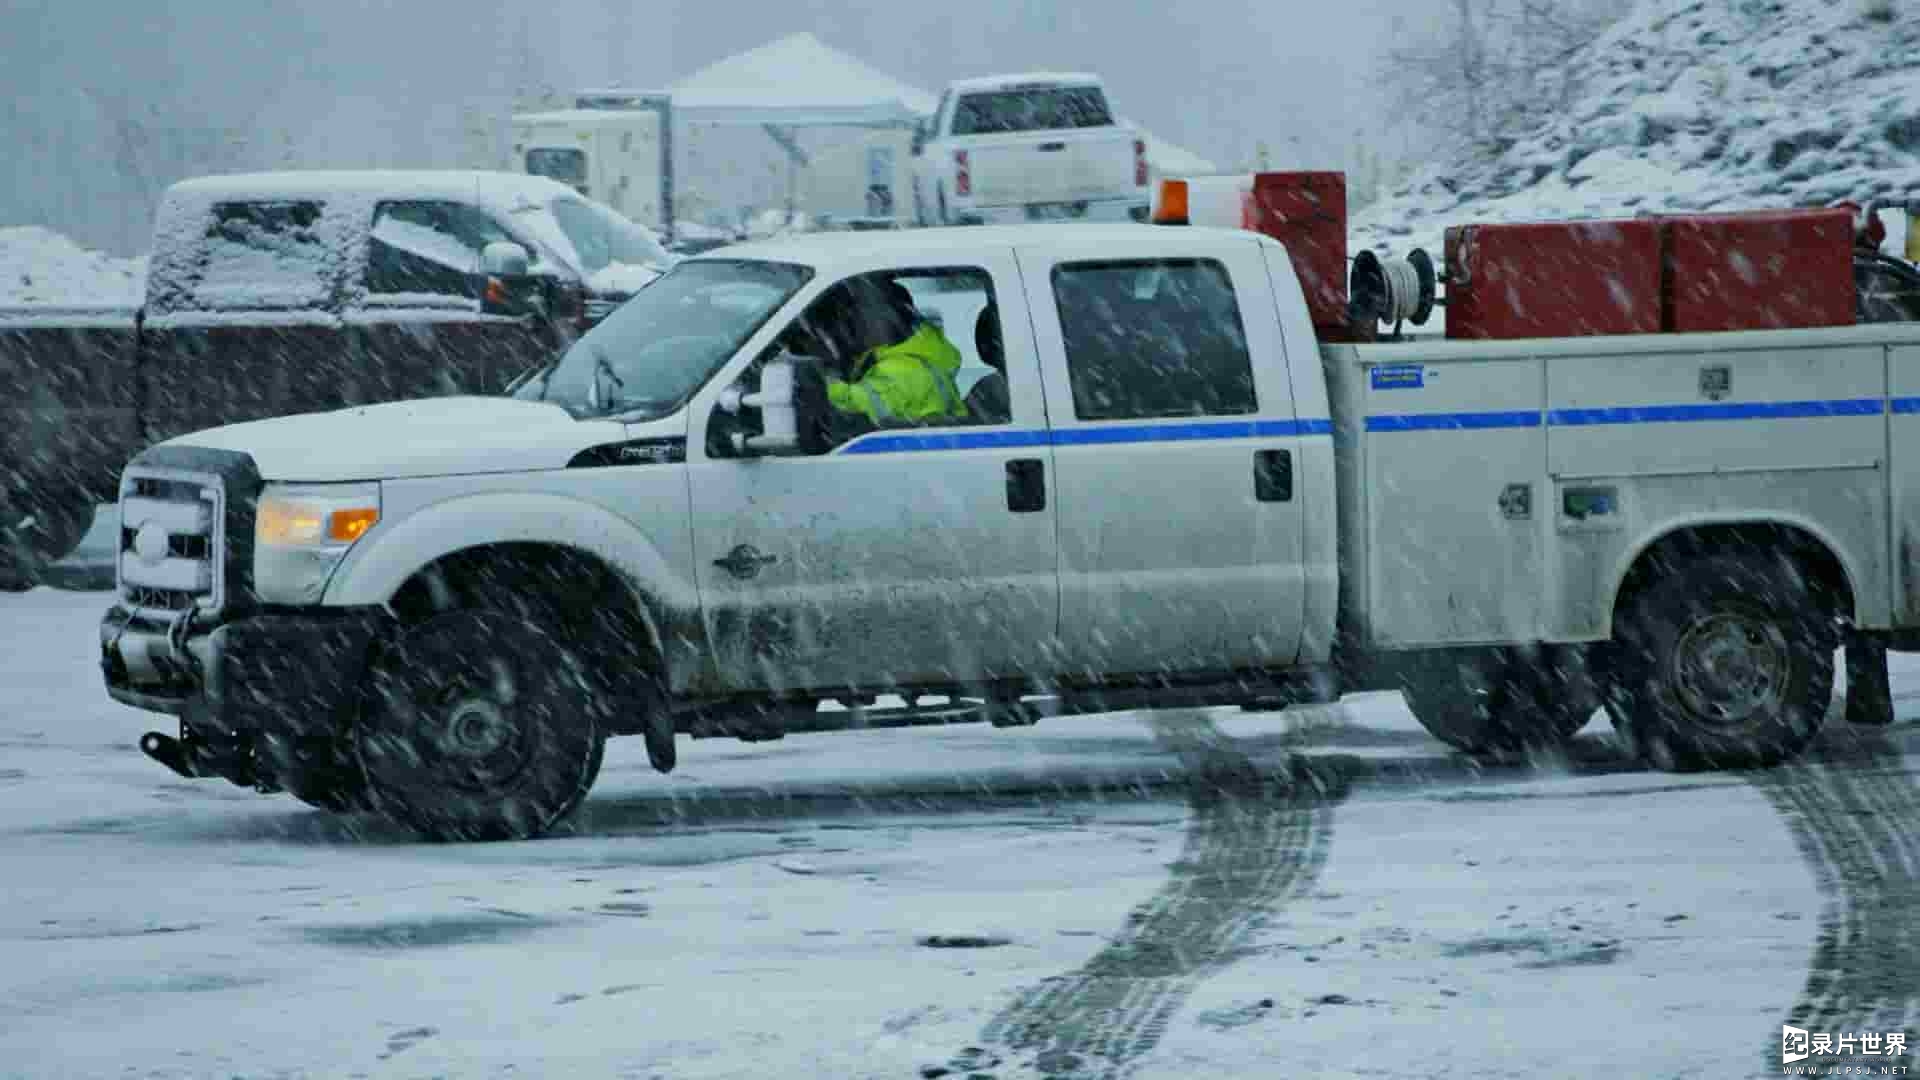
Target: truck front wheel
[(1726, 662), (479, 725), (1500, 702)]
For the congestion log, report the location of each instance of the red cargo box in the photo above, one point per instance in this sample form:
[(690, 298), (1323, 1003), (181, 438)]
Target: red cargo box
[(1767, 269), (1553, 279), (1307, 212)]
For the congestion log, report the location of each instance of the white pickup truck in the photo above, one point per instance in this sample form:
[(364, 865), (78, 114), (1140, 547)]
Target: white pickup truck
[(1034, 147), (442, 608)]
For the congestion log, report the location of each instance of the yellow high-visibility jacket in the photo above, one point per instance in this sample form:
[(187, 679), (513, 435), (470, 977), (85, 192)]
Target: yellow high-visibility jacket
[(909, 381)]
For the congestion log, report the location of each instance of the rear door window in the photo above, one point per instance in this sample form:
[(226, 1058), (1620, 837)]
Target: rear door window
[(1041, 108), (1153, 338), (264, 255)]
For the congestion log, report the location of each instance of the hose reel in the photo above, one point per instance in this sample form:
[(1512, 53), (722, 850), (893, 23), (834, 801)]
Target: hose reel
[(1392, 290)]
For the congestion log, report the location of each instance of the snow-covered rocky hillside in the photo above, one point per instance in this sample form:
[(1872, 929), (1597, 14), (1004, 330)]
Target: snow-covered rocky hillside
[(40, 266), (1696, 105)]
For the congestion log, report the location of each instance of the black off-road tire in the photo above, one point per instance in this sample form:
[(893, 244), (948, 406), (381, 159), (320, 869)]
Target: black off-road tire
[(1500, 702), (480, 725), (1726, 662)]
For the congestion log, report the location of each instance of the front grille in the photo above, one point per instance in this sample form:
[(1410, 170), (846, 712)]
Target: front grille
[(156, 599), (172, 534)]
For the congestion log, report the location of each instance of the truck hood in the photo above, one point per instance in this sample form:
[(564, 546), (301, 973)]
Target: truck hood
[(431, 437)]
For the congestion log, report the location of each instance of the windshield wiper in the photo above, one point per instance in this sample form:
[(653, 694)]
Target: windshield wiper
[(544, 373), (602, 367)]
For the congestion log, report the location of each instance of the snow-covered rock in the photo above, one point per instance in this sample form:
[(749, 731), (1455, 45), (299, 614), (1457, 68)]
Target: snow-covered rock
[(1695, 105), (40, 266)]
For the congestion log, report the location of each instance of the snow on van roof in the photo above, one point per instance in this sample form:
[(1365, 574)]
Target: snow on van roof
[(844, 249), (1004, 82), (494, 188)]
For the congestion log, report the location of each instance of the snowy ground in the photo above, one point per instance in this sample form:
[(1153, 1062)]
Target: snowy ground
[(40, 266), (1323, 892)]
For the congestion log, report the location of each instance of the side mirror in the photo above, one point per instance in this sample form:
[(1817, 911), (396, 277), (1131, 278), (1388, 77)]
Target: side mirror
[(507, 285), (778, 404), (504, 258)]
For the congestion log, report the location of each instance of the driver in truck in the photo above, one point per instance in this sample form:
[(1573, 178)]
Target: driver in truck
[(903, 366)]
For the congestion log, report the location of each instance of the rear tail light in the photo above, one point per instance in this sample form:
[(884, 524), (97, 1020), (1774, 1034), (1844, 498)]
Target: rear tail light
[(1139, 163), (962, 176)]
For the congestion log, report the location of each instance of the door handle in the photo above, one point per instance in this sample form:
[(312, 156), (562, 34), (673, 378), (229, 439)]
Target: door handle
[(1051, 147), (1273, 475), (1026, 486), (745, 561)]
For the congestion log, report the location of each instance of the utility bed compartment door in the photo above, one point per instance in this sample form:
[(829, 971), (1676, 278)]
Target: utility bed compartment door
[(1454, 462), (1713, 428)]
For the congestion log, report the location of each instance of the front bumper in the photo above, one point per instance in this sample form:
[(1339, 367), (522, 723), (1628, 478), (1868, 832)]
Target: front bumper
[(295, 674)]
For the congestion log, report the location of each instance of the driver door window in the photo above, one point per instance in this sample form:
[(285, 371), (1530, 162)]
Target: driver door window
[(949, 353)]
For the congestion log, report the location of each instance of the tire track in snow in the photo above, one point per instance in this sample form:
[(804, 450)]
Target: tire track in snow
[(1255, 839), (1854, 812)]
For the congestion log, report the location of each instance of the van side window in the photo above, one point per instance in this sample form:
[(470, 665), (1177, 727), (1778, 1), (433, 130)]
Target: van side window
[(428, 247), (1153, 338)]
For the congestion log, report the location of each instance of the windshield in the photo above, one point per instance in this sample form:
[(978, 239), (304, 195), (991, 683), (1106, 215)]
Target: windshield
[(601, 237), (658, 348)]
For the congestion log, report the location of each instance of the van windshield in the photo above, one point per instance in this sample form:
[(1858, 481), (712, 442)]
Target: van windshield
[(648, 357)]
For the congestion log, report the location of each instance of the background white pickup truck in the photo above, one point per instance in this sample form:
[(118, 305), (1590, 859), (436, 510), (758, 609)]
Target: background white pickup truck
[(443, 607), (1035, 147)]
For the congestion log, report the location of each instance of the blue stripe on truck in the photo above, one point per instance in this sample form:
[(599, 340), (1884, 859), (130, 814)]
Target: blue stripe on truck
[(1185, 431), (1454, 421), (1190, 431), (1641, 414), (1753, 410)]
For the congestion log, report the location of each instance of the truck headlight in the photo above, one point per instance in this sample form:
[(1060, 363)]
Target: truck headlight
[(301, 533)]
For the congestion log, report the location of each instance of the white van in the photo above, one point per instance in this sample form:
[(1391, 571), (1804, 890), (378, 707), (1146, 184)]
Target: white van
[(611, 156)]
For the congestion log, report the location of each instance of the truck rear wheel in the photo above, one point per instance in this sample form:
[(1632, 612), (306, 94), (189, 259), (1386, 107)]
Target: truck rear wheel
[(479, 725), (1500, 702), (1726, 662)]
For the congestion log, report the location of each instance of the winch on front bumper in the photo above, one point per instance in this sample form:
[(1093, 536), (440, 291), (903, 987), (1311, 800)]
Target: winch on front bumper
[(255, 688)]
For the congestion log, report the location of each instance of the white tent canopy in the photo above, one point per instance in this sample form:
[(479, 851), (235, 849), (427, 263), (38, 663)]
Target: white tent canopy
[(797, 81)]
